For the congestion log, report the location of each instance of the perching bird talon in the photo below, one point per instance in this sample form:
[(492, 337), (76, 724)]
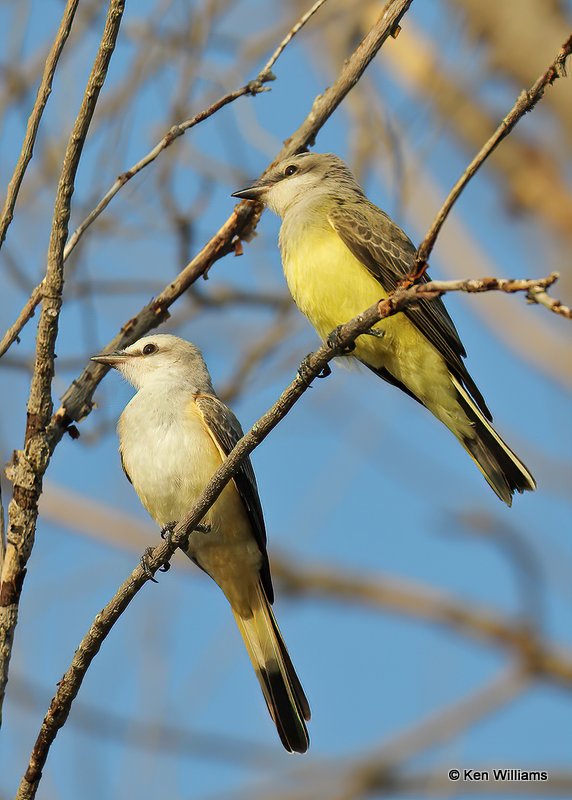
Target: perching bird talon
[(144, 561), (202, 527), (334, 342), (167, 531), (304, 369), (375, 332)]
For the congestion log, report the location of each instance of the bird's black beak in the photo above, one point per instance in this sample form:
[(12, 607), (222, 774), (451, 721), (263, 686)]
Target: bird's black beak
[(254, 192), (111, 359)]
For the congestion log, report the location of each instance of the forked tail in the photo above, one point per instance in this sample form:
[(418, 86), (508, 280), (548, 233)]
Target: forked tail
[(503, 470), (280, 685)]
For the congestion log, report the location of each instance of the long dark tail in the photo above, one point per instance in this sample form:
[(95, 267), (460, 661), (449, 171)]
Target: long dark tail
[(280, 685), (503, 470)]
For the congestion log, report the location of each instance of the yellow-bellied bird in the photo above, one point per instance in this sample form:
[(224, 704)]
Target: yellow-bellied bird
[(341, 254), (174, 434)]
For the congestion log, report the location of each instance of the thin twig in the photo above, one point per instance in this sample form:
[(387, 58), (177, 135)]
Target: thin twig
[(313, 365), (44, 91), (539, 295), (29, 465), (289, 36), (253, 87), (508, 285), (526, 102), (24, 316)]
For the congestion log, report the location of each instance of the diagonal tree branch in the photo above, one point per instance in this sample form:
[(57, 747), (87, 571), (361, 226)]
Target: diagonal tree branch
[(312, 366), (44, 92), (29, 465)]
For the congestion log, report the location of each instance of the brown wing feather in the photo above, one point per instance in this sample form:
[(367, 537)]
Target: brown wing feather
[(389, 256), (226, 431)]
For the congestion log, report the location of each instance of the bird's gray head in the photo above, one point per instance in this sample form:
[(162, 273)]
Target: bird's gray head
[(301, 178), (161, 359)]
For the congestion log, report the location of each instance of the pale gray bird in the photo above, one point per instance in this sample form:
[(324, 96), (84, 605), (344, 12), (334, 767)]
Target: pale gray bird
[(341, 254), (174, 434)]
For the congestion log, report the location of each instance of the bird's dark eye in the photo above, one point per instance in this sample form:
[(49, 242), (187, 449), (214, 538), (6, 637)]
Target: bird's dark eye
[(290, 170), (149, 349)]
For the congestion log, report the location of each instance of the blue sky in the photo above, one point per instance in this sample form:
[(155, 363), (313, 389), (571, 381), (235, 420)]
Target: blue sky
[(357, 476)]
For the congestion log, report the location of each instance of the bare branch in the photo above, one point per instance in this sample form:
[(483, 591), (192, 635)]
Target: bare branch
[(24, 316), (539, 295), (527, 173), (44, 91), (526, 102), (510, 286), (289, 36), (29, 465)]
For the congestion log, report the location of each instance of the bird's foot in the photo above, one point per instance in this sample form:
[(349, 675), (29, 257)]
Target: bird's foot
[(375, 332), (202, 527), (334, 342), (147, 569), (167, 531), (304, 370)]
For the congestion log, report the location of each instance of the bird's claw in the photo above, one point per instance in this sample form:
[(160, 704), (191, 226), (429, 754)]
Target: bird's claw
[(202, 527), (167, 531), (334, 342), (304, 370), (375, 332), (144, 561)]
